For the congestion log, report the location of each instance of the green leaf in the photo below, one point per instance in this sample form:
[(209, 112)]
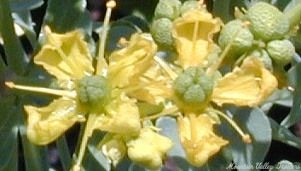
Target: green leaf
[(63, 16), (35, 156), (64, 152), (23, 19), (294, 115), (145, 8), (117, 30), (255, 123), (284, 135), (8, 134), (2, 66), (95, 160), (169, 128), (15, 55), (20, 5)]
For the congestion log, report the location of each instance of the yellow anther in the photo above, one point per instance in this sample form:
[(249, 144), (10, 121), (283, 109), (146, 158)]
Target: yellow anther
[(246, 139), (111, 4)]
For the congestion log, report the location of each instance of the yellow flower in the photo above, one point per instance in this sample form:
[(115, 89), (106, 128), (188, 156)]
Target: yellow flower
[(67, 57), (248, 85), (193, 34), (102, 97), (198, 139), (149, 148)]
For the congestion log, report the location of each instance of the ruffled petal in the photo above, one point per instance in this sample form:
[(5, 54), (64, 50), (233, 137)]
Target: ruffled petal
[(248, 85), (65, 56), (153, 86), (198, 139), (129, 63), (193, 34), (45, 124), (121, 116), (149, 148)]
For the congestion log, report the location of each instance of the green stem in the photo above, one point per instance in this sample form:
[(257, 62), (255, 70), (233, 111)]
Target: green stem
[(84, 142)]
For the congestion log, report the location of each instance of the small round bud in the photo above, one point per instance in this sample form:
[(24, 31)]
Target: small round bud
[(189, 5), (267, 22), (281, 51), (167, 9), (161, 33), (240, 37)]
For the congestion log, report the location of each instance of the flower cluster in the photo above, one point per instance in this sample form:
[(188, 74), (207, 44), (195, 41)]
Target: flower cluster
[(105, 92)]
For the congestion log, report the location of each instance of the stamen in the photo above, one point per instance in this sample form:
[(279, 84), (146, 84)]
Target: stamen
[(173, 75), (194, 37), (211, 70), (103, 35), (246, 138), (66, 93), (87, 134)]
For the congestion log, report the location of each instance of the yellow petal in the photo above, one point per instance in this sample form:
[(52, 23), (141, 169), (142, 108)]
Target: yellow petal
[(113, 148), (45, 124), (129, 63), (248, 85), (193, 34), (65, 56), (198, 139), (153, 86), (149, 148), (122, 116)]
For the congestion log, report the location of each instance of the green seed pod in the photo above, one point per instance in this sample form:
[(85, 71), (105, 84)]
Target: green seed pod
[(93, 91), (239, 35), (161, 33), (193, 88), (267, 22), (167, 9), (281, 51), (189, 5), (264, 57)]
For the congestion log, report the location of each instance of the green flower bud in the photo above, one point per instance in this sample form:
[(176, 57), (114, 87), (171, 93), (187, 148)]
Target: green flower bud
[(193, 88), (263, 55), (281, 51), (189, 5), (167, 9), (267, 22), (93, 91), (161, 33), (239, 35)]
